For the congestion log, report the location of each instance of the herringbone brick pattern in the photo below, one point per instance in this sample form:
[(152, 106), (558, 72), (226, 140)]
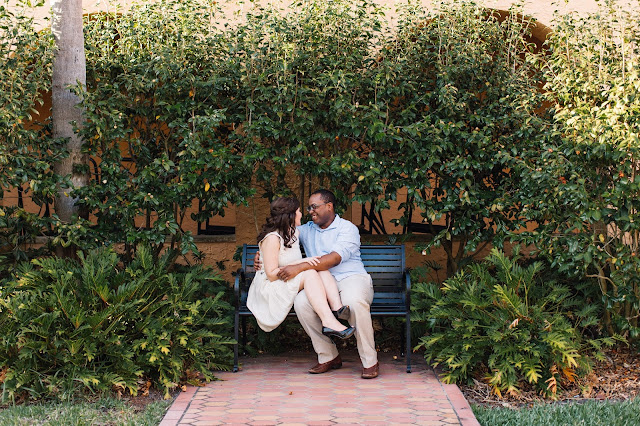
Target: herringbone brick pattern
[(277, 390)]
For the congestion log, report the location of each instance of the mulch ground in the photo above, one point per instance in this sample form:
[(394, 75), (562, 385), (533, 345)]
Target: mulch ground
[(617, 378)]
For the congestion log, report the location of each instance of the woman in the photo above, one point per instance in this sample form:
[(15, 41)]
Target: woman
[(270, 299)]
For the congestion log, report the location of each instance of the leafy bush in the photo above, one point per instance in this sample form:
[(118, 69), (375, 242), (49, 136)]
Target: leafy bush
[(92, 324), (155, 105), (457, 108), (17, 228), (583, 191), (25, 74), (305, 87), (27, 151), (503, 320)]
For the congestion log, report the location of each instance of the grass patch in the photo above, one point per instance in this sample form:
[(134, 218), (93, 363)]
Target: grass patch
[(105, 411), (592, 413)]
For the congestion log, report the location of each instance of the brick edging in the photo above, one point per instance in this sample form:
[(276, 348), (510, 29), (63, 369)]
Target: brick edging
[(179, 407), (458, 402)]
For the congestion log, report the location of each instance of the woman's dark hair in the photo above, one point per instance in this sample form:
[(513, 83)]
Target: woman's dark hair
[(282, 220)]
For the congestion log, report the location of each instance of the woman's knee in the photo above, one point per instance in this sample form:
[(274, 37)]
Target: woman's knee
[(325, 275), (310, 274)]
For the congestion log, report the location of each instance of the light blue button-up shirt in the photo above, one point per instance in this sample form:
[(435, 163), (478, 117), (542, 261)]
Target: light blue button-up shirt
[(342, 237)]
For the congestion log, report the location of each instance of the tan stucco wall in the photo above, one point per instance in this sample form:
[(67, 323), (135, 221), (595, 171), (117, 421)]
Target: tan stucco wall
[(542, 10)]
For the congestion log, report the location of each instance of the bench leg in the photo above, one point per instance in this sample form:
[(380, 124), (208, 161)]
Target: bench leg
[(408, 348), (244, 334), (236, 325), (403, 334)]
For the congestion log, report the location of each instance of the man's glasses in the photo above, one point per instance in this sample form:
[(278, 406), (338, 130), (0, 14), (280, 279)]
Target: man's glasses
[(312, 207)]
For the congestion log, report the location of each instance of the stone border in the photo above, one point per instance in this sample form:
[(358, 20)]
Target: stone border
[(458, 402), (179, 406)]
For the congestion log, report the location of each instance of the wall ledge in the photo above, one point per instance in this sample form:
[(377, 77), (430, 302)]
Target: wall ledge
[(196, 239)]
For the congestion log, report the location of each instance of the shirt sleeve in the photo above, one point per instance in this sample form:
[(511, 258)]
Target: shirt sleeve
[(348, 242)]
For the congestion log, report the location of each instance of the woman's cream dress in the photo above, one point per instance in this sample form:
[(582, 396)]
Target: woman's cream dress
[(271, 301)]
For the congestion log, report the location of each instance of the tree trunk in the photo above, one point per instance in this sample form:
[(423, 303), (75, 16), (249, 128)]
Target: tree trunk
[(69, 68)]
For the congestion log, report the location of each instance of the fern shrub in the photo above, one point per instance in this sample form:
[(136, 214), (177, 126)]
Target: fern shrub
[(68, 326), (503, 321)]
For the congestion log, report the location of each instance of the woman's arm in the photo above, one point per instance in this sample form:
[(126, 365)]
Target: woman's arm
[(313, 261), (270, 249), (325, 262)]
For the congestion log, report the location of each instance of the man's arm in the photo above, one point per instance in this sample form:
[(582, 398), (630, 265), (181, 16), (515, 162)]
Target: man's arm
[(348, 242), (324, 262)]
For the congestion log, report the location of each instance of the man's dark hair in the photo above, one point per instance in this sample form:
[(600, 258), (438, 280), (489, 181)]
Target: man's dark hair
[(327, 196)]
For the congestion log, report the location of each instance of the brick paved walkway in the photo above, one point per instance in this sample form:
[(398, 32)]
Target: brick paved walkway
[(271, 390)]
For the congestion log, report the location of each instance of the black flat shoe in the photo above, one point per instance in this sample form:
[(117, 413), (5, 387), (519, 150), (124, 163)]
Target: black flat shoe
[(344, 334), (343, 313)]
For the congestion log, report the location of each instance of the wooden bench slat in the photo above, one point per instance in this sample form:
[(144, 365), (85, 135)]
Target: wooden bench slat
[(388, 296), (388, 302), (385, 282), (384, 270), (374, 267), (389, 263)]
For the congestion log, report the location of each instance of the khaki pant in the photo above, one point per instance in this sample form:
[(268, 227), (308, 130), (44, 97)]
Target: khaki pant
[(357, 292)]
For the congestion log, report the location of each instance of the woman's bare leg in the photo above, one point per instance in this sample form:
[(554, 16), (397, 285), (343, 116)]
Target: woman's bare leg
[(331, 288), (314, 288)]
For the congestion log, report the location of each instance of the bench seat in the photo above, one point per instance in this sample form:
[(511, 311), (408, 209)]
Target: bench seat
[(391, 286)]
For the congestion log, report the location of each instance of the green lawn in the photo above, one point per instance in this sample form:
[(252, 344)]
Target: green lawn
[(106, 411), (589, 413)]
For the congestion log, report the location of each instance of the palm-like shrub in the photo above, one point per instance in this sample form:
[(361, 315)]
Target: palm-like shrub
[(92, 324), (502, 319)]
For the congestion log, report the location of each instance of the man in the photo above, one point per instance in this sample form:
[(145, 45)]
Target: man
[(337, 242)]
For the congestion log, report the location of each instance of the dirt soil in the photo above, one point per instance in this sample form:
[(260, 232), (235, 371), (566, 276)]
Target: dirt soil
[(616, 378), (140, 402)]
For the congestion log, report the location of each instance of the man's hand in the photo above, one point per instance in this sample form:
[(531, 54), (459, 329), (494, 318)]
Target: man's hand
[(257, 265), (290, 271)]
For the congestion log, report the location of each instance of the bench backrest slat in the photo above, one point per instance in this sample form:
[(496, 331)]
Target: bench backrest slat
[(388, 259), (384, 263)]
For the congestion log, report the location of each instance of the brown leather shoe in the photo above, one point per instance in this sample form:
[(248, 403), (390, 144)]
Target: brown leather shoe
[(326, 366), (371, 372)]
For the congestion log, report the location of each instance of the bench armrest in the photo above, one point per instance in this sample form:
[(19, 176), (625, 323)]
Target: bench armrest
[(407, 295), (240, 277)]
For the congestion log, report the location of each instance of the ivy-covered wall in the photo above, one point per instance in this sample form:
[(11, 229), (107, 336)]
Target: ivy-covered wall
[(439, 103), (323, 95)]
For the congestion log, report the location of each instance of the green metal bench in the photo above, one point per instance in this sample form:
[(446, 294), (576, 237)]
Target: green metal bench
[(391, 285)]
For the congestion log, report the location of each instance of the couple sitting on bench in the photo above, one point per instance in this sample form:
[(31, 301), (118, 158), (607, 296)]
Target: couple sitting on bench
[(330, 284)]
